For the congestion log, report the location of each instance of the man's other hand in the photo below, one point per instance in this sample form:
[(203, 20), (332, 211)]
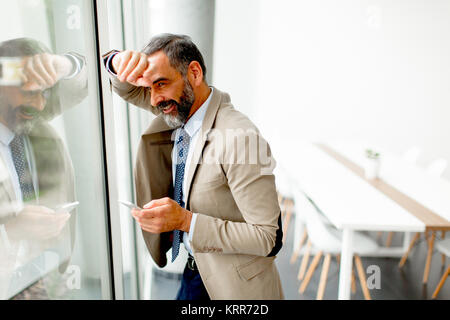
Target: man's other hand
[(163, 215)]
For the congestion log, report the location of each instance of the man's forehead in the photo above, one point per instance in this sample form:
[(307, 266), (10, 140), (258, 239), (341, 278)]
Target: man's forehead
[(159, 58), (160, 65)]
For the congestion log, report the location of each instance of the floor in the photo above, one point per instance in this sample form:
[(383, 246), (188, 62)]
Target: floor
[(395, 283)]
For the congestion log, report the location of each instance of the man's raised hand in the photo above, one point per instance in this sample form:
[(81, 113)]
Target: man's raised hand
[(130, 66)]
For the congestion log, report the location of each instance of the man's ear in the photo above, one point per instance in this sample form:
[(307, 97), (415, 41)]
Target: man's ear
[(195, 73)]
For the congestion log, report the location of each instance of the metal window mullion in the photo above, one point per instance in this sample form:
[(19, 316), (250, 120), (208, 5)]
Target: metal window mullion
[(109, 152)]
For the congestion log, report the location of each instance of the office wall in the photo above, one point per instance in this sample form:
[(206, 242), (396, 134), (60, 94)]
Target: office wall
[(373, 70), (236, 45), (194, 18)]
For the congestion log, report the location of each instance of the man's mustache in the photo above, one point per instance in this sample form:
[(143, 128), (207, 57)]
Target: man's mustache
[(164, 104), (28, 110)]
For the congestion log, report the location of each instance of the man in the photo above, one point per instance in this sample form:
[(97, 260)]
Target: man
[(188, 181), (36, 173)]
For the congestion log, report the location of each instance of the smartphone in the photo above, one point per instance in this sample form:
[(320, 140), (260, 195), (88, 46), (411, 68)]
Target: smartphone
[(10, 71), (129, 204), (66, 207)]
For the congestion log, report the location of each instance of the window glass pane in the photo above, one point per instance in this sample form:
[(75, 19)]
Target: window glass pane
[(53, 230)]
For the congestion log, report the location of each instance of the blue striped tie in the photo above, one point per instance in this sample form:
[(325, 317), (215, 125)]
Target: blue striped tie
[(22, 168), (182, 148)]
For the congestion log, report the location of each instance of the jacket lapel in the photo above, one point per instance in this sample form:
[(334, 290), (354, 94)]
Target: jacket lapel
[(207, 124)]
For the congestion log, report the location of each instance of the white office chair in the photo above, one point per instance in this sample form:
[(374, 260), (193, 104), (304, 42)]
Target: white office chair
[(328, 240), (442, 246), (300, 230), (437, 167), (283, 181), (285, 196)]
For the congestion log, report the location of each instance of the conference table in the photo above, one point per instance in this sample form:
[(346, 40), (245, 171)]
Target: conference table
[(403, 197)]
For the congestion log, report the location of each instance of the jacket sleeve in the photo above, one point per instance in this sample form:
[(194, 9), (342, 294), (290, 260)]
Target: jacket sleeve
[(254, 191), (138, 96)]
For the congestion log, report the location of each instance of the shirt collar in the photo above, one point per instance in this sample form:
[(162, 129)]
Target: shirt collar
[(195, 121), (6, 135)]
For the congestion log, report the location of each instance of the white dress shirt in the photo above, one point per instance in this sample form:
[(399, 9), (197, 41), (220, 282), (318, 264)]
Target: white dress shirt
[(6, 136), (192, 128)]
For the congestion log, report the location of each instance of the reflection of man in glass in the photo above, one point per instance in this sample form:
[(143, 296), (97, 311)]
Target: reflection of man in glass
[(36, 174)]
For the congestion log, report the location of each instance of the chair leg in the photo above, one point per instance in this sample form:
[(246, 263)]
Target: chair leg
[(338, 261), (287, 218), (443, 256), (310, 272), (426, 272), (323, 277), (379, 235), (389, 239), (297, 251), (353, 281), (411, 245), (304, 264), (362, 277), (441, 283)]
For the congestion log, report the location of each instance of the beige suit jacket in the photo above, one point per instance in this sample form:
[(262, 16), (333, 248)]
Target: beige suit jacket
[(238, 228)]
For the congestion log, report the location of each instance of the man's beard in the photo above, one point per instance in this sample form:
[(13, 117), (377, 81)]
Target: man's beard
[(15, 123), (183, 107)]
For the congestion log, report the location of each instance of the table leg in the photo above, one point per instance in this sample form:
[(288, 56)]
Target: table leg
[(441, 283), (345, 273), (426, 272), (411, 245)]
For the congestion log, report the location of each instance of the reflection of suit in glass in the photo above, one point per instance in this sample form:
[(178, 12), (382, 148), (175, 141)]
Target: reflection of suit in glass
[(51, 174)]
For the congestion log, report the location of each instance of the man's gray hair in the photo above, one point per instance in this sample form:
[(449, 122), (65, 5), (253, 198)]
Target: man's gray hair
[(180, 50)]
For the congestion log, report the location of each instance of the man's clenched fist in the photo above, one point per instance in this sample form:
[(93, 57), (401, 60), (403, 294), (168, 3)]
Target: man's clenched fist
[(130, 66)]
